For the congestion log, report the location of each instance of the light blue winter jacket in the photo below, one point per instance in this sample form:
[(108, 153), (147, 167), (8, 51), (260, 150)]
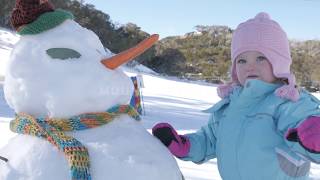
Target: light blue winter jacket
[(246, 131)]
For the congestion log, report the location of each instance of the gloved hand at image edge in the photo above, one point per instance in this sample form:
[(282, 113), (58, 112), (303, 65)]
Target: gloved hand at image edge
[(178, 145), (307, 134)]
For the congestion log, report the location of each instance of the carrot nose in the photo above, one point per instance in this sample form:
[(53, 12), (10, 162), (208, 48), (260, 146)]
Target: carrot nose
[(128, 55)]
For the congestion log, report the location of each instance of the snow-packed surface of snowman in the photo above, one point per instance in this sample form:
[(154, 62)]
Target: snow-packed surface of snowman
[(63, 72)]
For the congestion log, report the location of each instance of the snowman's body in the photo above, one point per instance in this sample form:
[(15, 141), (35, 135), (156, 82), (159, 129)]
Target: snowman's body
[(39, 85), (141, 157)]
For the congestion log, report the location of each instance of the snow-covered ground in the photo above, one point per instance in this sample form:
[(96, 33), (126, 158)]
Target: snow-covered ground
[(165, 100)]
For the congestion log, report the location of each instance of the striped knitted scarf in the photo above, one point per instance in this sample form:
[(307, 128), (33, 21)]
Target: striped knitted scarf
[(53, 131)]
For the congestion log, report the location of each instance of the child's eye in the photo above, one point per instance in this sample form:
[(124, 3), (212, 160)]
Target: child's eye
[(261, 58), (241, 61)]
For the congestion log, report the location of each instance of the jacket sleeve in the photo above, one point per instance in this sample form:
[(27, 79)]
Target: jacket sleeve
[(203, 144), (292, 114)]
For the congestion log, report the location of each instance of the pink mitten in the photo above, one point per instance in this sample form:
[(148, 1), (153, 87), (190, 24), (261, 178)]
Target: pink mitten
[(177, 144), (307, 134)]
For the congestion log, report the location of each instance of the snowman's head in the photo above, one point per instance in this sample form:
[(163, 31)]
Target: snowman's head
[(65, 71)]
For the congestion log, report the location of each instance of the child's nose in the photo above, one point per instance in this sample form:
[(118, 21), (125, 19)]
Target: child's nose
[(251, 66)]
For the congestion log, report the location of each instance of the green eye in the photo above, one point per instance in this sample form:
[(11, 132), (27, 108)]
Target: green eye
[(63, 53)]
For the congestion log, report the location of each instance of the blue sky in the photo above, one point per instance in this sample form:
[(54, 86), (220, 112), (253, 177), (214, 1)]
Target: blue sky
[(299, 18)]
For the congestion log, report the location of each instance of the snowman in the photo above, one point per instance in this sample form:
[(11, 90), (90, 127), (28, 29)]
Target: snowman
[(70, 98)]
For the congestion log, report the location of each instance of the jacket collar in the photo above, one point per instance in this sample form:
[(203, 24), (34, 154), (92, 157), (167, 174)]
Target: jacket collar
[(254, 89)]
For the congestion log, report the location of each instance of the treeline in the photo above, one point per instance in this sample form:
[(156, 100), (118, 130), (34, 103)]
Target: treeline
[(203, 54), (200, 55)]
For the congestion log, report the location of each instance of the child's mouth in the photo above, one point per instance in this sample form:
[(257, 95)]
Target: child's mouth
[(252, 77)]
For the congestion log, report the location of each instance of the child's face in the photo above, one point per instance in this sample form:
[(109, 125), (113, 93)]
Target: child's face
[(253, 65)]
